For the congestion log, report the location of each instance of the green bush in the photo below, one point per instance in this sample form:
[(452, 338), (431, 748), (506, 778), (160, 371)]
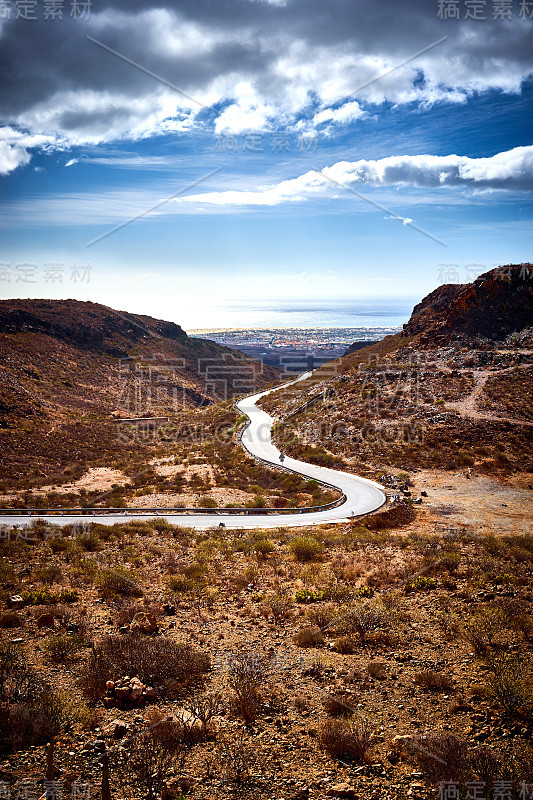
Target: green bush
[(119, 581), (420, 584), (306, 548), (307, 596)]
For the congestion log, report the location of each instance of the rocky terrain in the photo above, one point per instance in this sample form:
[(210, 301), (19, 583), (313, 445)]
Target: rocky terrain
[(446, 392), (69, 370), (389, 657)]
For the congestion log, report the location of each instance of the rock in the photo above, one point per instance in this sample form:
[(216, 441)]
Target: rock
[(110, 686), (15, 602), (73, 627), (342, 790), (124, 629), (109, 702), (144, 621), (136, 689), (424, 493), (169, 609), (45, 621), (150, 693), (119, 728)]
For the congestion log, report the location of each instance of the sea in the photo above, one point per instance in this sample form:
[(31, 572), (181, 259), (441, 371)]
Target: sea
[(342, 314)]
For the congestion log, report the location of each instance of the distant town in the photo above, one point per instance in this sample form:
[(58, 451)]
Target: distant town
[(294, 349)]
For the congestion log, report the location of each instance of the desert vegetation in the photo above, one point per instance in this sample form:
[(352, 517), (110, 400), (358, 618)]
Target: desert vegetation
[(212, 659)]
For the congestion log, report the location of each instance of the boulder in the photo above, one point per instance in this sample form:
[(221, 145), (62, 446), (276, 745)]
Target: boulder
[(342, 790), (15, 602), (144, 621), (119, 728)]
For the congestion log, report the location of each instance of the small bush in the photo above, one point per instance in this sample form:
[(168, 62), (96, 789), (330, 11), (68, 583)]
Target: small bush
[(377, 669), (322, 616), (10, 619), (441, 756), (156, 661), (246, 673), (345, 645), (433, 681), (338, 704), (420, 584), (263, 547), (39, 597), (511, 684), (119, 581), (146, 759), (49, 574), (307, 596), (306, 548), (280, 606), (364, 618), (310, 636), (63, 647), (205, 501), (348, 741)]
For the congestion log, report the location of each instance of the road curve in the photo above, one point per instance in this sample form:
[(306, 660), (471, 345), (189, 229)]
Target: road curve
[(362, 495)]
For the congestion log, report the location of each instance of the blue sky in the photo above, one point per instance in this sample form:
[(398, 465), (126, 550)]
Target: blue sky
[(426, 171)]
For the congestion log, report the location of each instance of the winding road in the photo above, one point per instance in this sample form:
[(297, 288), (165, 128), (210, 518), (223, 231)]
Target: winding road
[(362, 495)]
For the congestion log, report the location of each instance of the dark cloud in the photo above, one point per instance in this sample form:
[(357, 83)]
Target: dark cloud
[(267, 59)]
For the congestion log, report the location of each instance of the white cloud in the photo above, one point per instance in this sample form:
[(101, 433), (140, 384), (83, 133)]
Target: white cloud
[(71, 162), (14, 148), (349, 112), (12, 157), (509, 170)]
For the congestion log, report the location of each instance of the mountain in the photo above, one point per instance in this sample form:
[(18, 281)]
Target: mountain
[(454, 388), (70, 369), (496, 304)]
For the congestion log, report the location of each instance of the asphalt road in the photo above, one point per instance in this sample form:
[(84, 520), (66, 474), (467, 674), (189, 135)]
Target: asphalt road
[(362, 495)]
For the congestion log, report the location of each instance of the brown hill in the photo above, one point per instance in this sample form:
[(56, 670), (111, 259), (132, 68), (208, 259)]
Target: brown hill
[(496, 304), (69, 369), (453, 389)]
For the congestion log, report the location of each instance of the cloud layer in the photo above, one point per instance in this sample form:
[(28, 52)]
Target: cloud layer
[(511, 170), (250, 64)]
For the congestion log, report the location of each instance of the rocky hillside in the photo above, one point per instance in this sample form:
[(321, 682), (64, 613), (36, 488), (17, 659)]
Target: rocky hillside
[(452, 390), (495, 305), (70, 369)]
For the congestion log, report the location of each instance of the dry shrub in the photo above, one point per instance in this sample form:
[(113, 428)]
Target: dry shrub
[(377, 669), (346, 645), (117, 581), (322, 616), (346, 740), (511, 683), (236, 756), (145, 760), (157, 662), (338, 704), (309, 636), (364, 618), (31, 711), (301, 703), (441, 756), (246, 673), (433, 681), (280, 605), (483, 628)]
